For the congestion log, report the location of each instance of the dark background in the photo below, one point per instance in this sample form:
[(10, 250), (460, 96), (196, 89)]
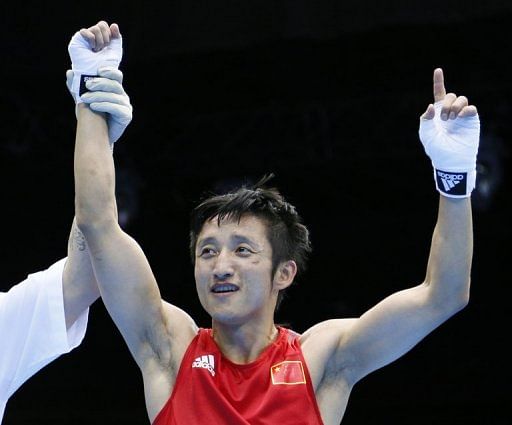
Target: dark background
[(326, 95)]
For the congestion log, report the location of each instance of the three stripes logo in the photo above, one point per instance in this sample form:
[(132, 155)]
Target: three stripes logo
[(205, 362), (451, 183)]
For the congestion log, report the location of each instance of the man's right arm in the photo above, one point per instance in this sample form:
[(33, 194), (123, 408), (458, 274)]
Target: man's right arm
[(127, 284), (157, 333)]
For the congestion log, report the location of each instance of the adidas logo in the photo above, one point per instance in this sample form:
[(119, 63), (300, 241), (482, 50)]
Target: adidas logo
[(205, 362), (449, 181)]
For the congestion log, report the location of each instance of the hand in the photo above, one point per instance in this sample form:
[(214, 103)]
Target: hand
[(92, 48), (106, 94), (450, 133)]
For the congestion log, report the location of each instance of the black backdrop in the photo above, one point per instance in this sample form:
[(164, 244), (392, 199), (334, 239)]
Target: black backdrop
[(325, 95)]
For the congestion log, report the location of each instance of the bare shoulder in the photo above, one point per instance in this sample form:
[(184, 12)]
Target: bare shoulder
[(326, 335), (181, 329), (178, 321), (321, 345), (329, 366)]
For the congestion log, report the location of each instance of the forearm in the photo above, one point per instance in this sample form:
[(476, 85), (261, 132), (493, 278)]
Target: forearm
[(94, 171), (449, 265), (79, 285)]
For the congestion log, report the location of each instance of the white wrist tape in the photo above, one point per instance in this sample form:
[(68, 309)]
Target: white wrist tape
[(455, 185), (85, 62), (452, 146)]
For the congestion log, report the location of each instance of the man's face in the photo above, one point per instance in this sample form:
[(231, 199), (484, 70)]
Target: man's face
[(233, 270)]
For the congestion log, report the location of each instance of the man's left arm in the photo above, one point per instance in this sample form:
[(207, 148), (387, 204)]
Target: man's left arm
[(449, 131)]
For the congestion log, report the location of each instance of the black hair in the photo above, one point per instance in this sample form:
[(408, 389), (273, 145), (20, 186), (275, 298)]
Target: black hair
[(288, 236)]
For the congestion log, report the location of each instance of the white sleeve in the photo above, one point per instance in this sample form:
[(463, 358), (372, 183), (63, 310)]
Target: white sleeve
[(33, 328)]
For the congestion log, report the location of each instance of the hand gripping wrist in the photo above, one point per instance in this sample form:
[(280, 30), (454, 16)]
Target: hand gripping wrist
[(452, 146), (85, 62), (108, 95)]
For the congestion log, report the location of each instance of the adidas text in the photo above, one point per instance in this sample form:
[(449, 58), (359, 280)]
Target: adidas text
[(205, 362), (450, 176)]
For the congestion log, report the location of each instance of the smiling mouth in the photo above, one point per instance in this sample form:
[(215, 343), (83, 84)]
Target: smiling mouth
[(223, 288)]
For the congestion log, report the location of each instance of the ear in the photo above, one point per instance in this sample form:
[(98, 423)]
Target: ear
[(285, 274)]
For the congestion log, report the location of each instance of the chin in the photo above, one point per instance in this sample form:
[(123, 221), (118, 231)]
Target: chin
[(229, 317)]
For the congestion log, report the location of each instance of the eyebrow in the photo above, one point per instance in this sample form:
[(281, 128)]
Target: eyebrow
[(205, 241), (241, 238), (236, 238)]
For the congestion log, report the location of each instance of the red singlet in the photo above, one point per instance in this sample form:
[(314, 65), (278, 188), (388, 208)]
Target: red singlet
[(275, 389)]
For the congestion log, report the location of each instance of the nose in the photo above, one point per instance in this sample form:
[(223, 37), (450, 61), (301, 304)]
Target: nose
[(223, 268)]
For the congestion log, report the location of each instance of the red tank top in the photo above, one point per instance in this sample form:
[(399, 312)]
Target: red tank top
[(274, 389)]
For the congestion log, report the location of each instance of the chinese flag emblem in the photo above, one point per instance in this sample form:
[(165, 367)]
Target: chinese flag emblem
[(288, 373)]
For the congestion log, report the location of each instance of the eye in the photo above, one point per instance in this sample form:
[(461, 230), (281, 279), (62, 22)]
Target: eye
[(207, 252), (244, 251)]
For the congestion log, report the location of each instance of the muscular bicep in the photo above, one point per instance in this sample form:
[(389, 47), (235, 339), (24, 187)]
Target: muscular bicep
[(400, 321), (129, 290), (388, 330)]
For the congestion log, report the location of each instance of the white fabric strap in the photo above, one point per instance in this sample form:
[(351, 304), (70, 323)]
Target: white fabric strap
[(452, 146), (85, 62)]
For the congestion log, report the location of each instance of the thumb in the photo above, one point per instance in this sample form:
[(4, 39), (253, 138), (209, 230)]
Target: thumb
[(429, 113), (114, 29), (69, 78)]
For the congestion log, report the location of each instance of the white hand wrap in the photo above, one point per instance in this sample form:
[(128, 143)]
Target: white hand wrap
[(85, 62), (452, 146)]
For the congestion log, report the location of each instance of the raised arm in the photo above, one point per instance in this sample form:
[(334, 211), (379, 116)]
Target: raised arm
[(449, 131), (157, 333), (79, 285), (127, 284)]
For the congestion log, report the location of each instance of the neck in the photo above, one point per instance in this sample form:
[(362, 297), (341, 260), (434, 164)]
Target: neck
[(243, 344)]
